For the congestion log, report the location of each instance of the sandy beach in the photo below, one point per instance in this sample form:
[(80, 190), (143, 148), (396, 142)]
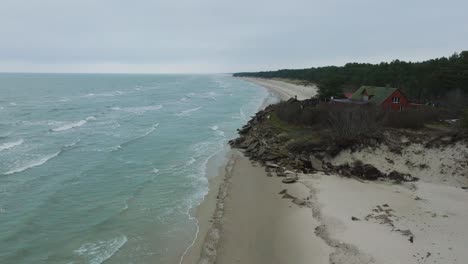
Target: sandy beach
[(275, 214), (249, 217), (284, 90)]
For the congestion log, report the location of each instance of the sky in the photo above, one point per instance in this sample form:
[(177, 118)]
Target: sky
[(208, 36)]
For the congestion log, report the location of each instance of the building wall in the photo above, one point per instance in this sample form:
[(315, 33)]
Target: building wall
[(390, 105)]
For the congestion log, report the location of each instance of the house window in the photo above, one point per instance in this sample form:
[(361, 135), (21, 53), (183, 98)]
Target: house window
[(395, 100)]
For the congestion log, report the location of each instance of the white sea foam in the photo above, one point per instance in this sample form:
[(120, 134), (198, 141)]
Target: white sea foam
[(73, 124), (217, 131), (97, 253), (115, 148), (210, 95), (151, 130), (108, 94), (72, 144), (9, 145), (184, 99), (190, 161), (33, 164), (138, 110), (188, 112), (125, 208), (220, 133)]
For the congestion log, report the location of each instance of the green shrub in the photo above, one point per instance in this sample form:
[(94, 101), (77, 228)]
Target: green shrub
[(412, 119), (301, 113)]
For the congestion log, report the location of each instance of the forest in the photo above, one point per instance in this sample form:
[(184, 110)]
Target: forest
[(441, 81)]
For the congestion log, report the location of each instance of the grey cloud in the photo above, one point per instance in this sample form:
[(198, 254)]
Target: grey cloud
[(239, 35)]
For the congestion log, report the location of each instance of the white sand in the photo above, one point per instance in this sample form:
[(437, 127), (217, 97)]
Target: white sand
[(447, 165), (284, 90), (438, 221), (434, 209)]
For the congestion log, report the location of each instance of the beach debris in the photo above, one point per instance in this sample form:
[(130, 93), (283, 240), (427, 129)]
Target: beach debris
[(368, 172), (291, 177), (299, 202), (401, 177), (407, 233), (280, 173), (271, 165), (316, 163), (381, 215), (289, 180), (295, 200), (355, 218)]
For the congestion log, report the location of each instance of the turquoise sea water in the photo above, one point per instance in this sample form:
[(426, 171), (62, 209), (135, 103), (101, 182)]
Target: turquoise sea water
[(105, 168)]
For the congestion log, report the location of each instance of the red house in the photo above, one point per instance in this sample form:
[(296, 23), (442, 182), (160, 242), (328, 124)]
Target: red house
[(386, 97)]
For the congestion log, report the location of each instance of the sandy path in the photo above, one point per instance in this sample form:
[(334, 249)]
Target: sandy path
[(285, 90)]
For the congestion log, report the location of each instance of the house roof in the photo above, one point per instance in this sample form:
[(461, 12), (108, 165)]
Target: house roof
[(377, 94), (348, 101)]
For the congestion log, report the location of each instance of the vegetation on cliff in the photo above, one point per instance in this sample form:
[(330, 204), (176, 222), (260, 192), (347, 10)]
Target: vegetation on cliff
[(300, 135)]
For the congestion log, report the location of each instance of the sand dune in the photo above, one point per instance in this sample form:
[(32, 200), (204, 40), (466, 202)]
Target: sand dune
[(341, 220)]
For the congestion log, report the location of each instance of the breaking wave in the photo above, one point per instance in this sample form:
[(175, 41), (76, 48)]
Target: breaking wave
[(188, 112), (108, 94), (9, 145), (33, 164), (217, 131), (138, 110), (97, 253), (149, 131), (73, 125)]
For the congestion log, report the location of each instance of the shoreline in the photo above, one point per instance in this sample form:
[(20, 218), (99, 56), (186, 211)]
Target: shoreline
[(205, 212), (284, 90), (326, 218)]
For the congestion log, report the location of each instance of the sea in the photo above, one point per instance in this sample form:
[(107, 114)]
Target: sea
[(108, 168)]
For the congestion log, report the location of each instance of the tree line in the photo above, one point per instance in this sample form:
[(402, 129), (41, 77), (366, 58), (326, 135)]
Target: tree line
[(442, 80)]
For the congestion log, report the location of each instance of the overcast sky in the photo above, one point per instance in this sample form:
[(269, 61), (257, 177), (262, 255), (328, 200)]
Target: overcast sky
[(223, 36)]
